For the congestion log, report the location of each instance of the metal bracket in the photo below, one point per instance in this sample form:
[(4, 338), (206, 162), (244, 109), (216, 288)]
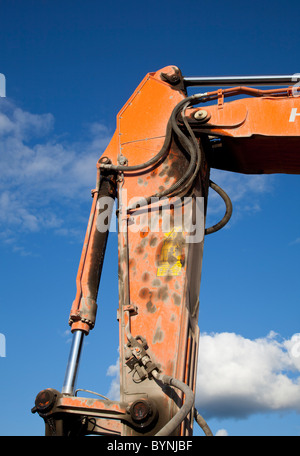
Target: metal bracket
[(220, 99), (138, 359), (175, 79)]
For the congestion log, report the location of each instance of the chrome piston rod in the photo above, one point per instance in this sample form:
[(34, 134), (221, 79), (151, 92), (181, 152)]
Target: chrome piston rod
[(227, 81), (73, 363)]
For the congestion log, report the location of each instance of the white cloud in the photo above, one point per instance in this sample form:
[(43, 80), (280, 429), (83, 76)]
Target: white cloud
[(221, 433), (42, 179), (296, 241), (238, 376), (21, 124), (114, 390), (42, 174), (245, 191), (243, 185), (14, 212)]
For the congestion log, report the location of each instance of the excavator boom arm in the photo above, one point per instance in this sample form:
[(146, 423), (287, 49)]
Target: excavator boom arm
[(157, 168)]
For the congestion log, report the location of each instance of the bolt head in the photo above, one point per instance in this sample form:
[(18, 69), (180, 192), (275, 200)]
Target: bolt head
[(122, 160), (201, 114)]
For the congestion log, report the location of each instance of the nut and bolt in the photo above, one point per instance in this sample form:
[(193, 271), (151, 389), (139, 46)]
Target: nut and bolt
[(122, 160), (201, 114)]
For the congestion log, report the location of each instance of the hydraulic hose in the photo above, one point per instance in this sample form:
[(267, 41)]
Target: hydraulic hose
[(228, 211), (192, 176), (185, 409), (190, 146), (150, 162), (202, 423)]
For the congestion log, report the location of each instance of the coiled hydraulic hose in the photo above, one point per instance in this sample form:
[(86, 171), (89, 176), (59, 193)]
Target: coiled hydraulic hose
[(185, 409), (191, 147), (150, 162), (188, 145), (228, 211)]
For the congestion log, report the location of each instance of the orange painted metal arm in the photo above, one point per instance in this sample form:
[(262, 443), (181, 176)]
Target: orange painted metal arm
[(258, 135), (157, 165), (84, 308), (159, 271)]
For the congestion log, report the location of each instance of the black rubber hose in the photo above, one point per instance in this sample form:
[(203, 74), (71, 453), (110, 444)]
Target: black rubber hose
[(185, 409), (228, 211), (164, 148), (150, 162), (190, 146), (192, 150), (198, 156)]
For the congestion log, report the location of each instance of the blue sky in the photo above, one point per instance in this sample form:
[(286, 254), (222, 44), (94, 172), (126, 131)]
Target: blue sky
[(69, 68)]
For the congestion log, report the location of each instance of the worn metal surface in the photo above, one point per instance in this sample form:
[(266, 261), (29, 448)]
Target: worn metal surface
[(258, 135), (160, 269), (159, 273), (84, 308)]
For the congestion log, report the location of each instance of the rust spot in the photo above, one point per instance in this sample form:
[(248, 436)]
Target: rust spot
[(141, 247), (168, 278), (177, 164), (177, 299), (132, 263), (163, 293), (171, 171), (156, 283), (139, 250), (144, 242), (158, 336), (151, 307), (145, 276), (153, 241), (144, 293)]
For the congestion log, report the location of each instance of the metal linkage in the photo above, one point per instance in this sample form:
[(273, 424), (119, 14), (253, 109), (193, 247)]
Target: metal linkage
[(227, 81)]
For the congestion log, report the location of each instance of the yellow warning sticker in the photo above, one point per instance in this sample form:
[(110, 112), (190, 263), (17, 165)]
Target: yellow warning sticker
[(171, 256)]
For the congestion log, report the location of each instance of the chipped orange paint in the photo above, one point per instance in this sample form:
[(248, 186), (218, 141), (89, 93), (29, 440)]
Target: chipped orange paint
[(162, 316), (88, 403), (259, 134), (156, 301)]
